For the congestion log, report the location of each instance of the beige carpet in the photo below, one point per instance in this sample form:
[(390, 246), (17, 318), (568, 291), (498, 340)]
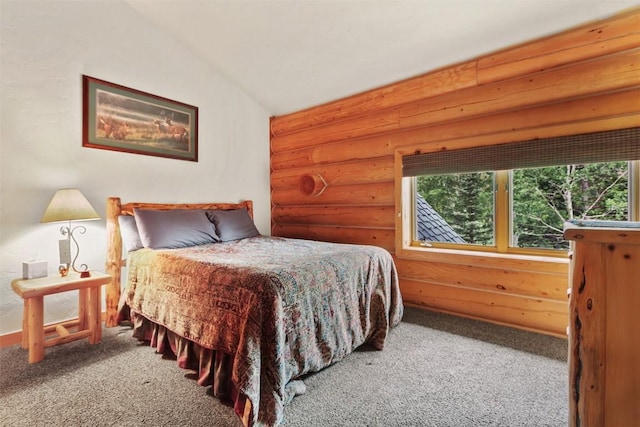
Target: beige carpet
[(436, 370)]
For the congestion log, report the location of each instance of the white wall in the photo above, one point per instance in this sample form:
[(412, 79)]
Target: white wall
[(46, 48)]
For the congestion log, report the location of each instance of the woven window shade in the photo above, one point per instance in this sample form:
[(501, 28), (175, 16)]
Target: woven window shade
[(597, 147)]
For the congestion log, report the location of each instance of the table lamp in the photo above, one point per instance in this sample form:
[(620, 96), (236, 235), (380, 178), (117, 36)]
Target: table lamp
[(69, 204)]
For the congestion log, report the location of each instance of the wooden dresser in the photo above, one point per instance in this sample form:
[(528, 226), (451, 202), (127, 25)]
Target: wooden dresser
[(604, 324)]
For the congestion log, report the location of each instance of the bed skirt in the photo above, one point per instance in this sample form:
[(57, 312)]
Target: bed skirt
[(212, 367)]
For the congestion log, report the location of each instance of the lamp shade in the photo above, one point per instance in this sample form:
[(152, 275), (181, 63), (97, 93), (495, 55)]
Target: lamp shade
[(69, 204)]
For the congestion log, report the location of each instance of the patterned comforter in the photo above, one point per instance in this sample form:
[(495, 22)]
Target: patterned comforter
[(281, 307)]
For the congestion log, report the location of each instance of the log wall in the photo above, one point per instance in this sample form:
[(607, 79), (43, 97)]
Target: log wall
[(333, 176)]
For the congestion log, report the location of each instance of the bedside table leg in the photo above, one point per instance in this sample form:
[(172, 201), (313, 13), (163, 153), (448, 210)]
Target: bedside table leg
[(35, 307), (95, 321), (25, 325), (83, 314)]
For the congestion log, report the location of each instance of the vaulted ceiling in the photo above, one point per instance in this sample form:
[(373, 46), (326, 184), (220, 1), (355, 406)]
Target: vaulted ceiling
[(293, 54)]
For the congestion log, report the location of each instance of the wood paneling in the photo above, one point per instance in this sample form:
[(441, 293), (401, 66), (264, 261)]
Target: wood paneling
[(355, 172), (610, 73), (341, 216), (361, 236), (356, 149), (504, 281), (372, 124), (541, 315), (435, 83), (618, 34), (585, 79), (360, 194), (576, 113)]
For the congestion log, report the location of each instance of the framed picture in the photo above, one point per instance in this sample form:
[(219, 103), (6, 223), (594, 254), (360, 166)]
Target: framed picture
[(119, 118)]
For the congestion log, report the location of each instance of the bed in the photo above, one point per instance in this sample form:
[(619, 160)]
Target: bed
[(250, 314)]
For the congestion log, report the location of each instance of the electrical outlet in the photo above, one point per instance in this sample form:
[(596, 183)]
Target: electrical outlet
[(64, 245)]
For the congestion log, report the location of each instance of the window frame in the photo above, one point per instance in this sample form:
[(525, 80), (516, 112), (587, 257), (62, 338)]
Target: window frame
[(407, 247)]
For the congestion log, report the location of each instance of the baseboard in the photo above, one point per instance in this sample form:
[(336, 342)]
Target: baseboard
[(16, 337), (10, 339)]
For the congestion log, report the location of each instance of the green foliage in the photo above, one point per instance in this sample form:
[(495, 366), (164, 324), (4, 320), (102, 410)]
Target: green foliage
[(465, 201), (542, 200)]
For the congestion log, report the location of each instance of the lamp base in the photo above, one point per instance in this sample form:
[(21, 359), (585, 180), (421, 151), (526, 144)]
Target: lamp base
[(85, 274)]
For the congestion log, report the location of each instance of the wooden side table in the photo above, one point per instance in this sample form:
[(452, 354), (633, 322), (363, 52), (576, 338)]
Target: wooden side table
[(89, 322)]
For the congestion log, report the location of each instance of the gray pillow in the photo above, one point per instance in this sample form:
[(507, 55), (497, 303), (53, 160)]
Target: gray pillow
[(175, 228), (129, 233), (233, 224)]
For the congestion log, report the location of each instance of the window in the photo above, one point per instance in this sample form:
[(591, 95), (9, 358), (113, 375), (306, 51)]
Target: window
[(515, 198), (544, 198), (455, 208)]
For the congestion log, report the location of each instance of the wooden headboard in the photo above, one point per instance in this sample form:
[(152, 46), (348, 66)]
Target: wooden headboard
[(115, 262)]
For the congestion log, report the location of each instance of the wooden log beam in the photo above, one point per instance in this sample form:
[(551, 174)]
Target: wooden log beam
[(612, 73), (380, 193), (620, 122), (431, 84), (360, 236), (538, 315), (350, 149), (535, 264), (619, 33), (382, 121), (339, 173), (491, 279), (575, 111), (344, 216)]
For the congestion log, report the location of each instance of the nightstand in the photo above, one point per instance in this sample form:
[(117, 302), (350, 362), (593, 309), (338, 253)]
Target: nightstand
[(89, 322)]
